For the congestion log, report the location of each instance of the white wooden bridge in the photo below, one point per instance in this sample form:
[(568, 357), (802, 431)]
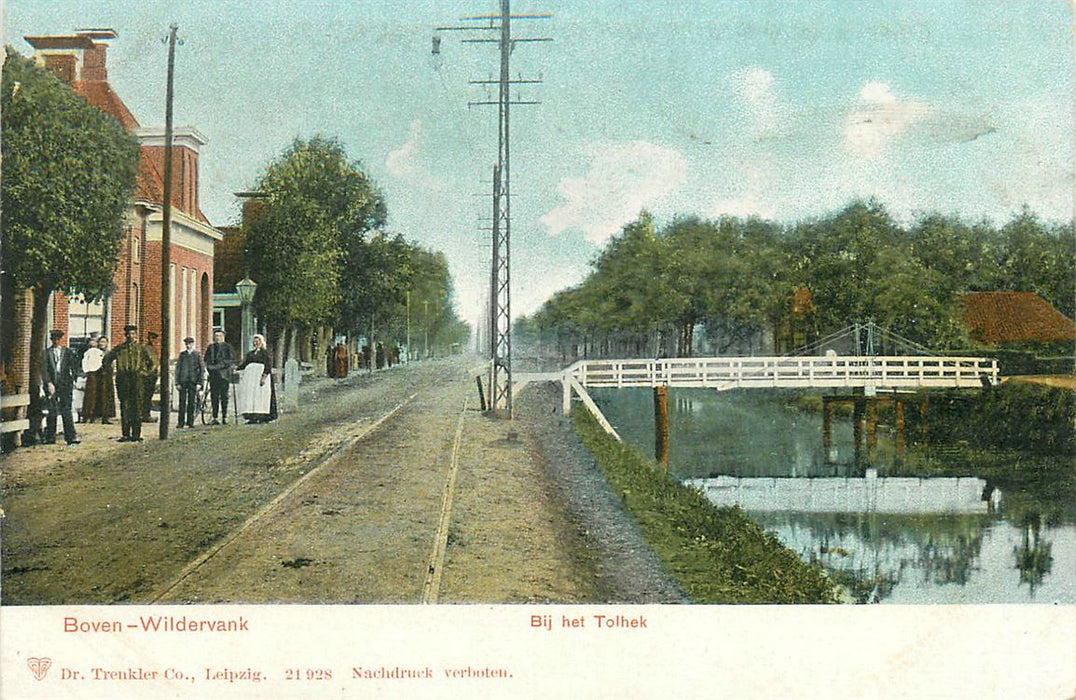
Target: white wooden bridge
[(871, 372), (869, 494)]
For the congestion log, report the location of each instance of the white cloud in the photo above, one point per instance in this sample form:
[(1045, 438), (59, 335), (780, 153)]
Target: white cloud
[(755, 86), (745, 186), (878, 119), (402, 162), (622, 180)]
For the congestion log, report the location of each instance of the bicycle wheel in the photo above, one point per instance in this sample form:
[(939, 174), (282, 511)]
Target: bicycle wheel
[(205, 407)]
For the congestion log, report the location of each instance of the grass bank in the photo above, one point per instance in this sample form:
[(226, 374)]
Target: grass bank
[(716, 555)]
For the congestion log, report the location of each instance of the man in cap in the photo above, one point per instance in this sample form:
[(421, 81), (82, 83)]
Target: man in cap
[(58, 373), (134, 368), (189, 372)]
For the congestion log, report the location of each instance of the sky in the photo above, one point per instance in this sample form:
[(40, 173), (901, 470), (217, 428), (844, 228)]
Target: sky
[(783, 109)]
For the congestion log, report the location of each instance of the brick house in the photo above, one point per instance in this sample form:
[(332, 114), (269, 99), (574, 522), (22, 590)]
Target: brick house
[(80, 59)]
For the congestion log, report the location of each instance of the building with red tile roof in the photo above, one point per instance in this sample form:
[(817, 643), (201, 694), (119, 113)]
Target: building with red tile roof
[(1015, 318), (80, 59)]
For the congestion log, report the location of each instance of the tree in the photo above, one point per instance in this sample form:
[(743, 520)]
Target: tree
[(69, 173), (726, 271), (835, 258), (317, 206), (738, 277), (377, 272), (1035, 258)]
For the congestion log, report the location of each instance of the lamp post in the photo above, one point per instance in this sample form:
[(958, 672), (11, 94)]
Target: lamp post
[(246, 288)]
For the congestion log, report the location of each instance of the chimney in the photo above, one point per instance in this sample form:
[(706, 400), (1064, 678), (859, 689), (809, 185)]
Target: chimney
[(94, 62), (74, 58)]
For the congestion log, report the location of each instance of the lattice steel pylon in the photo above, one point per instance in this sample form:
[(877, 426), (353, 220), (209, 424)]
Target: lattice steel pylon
[(500, 300), (500, 330)]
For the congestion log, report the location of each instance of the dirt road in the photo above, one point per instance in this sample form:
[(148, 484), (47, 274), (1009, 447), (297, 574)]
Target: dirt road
[(380, 488)]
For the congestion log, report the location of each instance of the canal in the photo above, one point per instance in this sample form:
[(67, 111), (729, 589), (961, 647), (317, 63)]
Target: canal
[(885, 533)]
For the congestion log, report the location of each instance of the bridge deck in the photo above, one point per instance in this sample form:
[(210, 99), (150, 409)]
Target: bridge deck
[(757, 372), (723, 373)]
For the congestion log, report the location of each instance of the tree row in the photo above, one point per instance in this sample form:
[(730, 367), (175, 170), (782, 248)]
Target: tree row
[(741, 280), (315, 241)]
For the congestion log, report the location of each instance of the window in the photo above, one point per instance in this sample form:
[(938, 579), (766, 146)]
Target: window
[(184, 306), (172, 301), (84, 317)]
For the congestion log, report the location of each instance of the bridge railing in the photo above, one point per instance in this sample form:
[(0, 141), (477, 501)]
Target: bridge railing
[(830, 371)]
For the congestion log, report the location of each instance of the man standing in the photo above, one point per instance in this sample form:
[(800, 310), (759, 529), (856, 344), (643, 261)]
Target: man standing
[(150, 383), (58, 374), (189, 371), (219, 360), (134, 366)]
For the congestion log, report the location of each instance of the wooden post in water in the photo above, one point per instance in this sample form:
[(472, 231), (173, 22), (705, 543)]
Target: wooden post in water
[(900, 429), (859, 406), (661, 425), (872, 428), (827, 429), (924, 431)]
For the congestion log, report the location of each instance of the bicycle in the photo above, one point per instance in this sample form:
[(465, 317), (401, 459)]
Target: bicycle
[(204, 401)]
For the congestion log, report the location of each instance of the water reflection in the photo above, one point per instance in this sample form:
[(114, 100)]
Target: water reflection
[(1033, 556), (885, 536)]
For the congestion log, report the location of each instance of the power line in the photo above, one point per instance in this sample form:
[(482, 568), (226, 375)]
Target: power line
[(500, 303)]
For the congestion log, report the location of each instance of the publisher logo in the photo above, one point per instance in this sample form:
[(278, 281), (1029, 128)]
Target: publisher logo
[(39, 666)]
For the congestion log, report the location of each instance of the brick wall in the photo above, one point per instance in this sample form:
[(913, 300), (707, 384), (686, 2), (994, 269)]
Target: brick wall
[(17, 362), (127, 277), (63, 66), (59, 312), (184, 175), (95, 63), (199, 306)]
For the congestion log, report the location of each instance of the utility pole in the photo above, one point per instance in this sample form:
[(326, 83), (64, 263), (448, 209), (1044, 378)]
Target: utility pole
[(166, 243), (500, 323)]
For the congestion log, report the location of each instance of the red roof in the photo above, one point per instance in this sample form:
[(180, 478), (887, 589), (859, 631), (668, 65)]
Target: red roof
[(101, 95), (1015, 317)]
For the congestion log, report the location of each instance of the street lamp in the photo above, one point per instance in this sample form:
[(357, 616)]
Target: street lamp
[(246, 288)]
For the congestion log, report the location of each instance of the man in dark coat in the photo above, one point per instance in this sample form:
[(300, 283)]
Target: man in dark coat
[(189, 371), (219, 360), (59, 369), (134, 367)]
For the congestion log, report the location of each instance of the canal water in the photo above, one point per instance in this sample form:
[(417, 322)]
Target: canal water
[(887, 535)]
